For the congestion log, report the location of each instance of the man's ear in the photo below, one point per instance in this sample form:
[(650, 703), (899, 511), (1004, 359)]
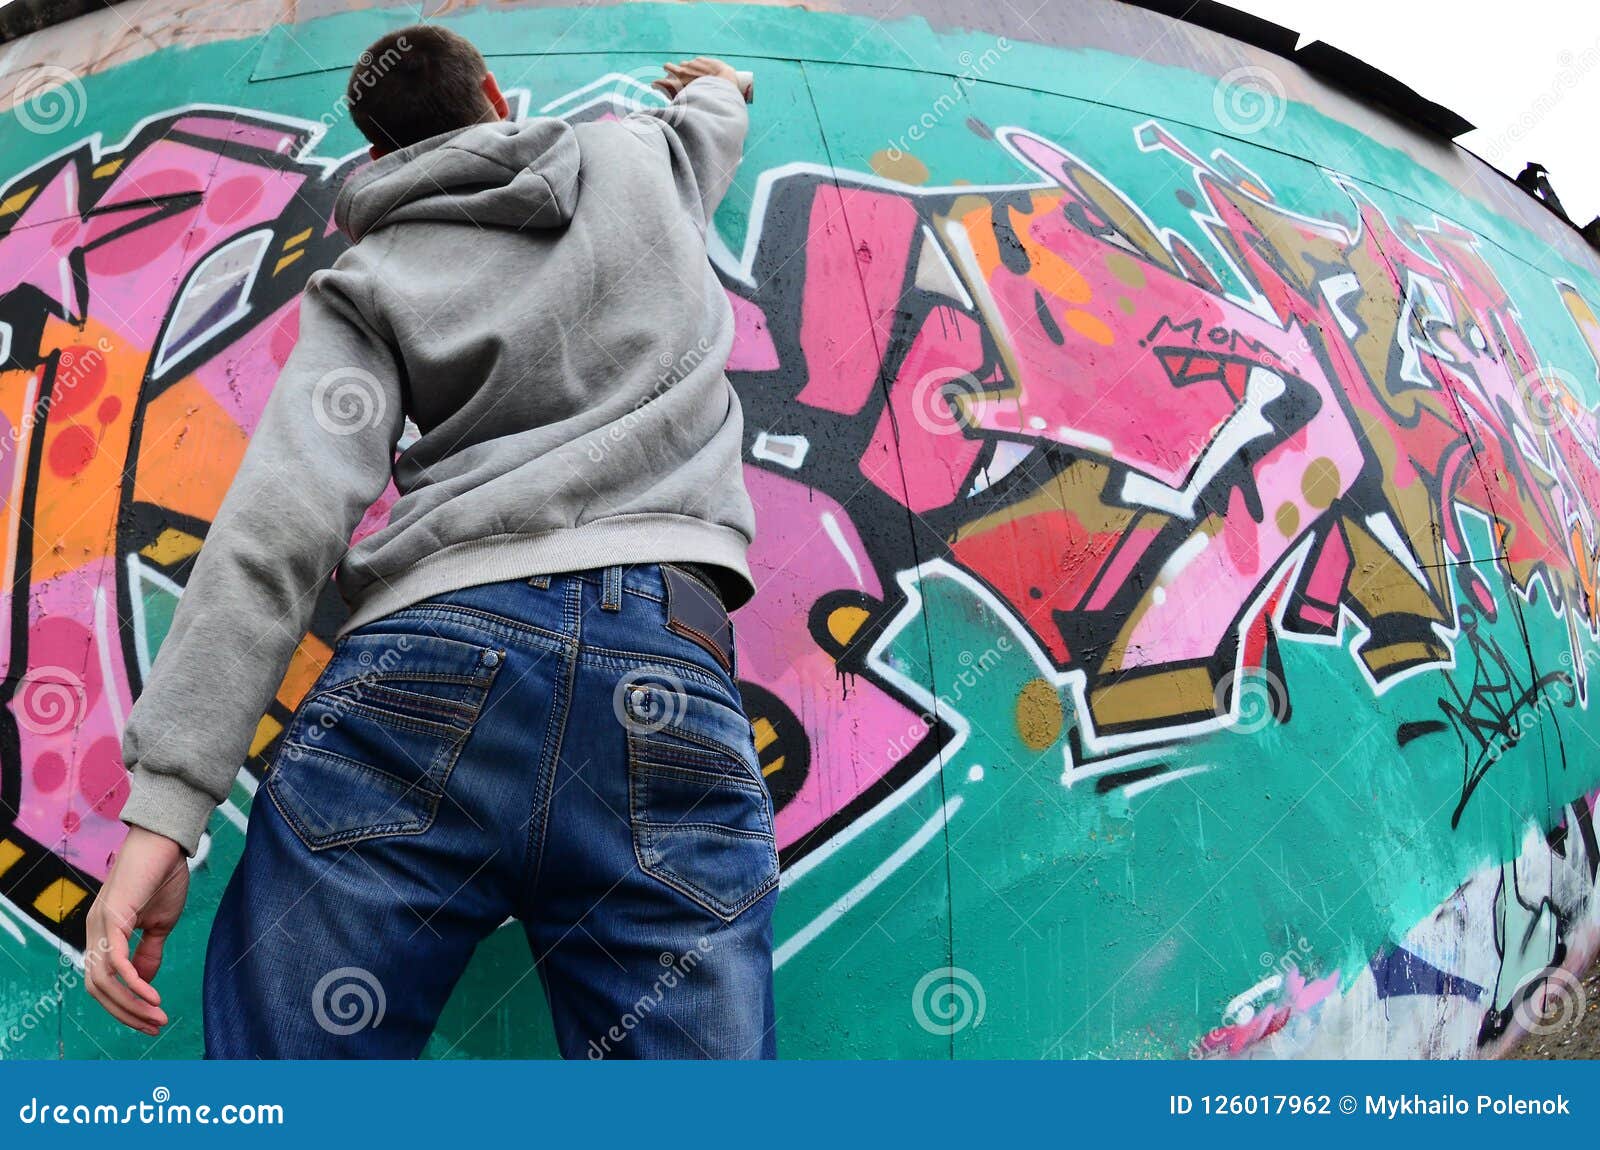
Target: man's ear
[(491, 89), (376, 152)]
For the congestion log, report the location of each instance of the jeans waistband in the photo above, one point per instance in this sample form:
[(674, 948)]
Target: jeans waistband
[(644, 577)]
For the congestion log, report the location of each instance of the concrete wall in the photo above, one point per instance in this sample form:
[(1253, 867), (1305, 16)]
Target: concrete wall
[(1177, 489)]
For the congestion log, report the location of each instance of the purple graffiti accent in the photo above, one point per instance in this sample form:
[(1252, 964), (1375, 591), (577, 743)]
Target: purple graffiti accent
[(1397, 972), (260, 357)]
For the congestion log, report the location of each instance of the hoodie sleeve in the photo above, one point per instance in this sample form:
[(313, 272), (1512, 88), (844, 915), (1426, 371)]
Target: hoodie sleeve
[(320, 457), (705, 126)]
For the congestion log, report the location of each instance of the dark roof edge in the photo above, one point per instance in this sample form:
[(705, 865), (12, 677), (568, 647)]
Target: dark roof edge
[(24, 17), (1344, 71), (1323, 60)]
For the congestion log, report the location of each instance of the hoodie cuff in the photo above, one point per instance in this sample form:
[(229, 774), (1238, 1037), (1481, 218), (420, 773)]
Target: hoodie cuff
[(168, 806), (724, 80)]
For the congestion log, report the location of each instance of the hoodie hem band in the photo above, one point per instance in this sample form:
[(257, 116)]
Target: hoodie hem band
[(622, 539)]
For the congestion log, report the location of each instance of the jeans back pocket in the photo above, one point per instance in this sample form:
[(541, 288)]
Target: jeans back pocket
[(701, 815), (372, 746)]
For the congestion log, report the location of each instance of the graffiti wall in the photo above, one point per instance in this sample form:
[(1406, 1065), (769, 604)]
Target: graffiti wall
[(1177, 494)]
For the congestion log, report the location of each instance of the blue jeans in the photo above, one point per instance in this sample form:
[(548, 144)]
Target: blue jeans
[(569, 751)]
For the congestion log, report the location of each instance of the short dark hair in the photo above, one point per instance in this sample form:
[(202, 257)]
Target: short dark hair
[(416, 83)]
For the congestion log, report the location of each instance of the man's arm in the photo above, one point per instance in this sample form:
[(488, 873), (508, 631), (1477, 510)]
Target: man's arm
[(319, 458), (705, 128)]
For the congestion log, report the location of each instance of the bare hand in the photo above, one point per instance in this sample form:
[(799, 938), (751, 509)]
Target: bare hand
[(679, 75), (145, 891)]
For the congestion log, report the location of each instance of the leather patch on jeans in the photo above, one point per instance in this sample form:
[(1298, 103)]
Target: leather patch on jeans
[(695, 611)]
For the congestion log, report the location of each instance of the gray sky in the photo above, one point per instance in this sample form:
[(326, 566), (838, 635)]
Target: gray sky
[(1526, 72)]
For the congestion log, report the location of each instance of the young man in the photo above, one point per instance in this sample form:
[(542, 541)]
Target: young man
[(532, 709)]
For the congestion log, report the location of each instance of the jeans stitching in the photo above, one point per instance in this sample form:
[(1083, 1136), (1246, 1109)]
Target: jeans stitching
[(712, 745), (411, 723), (611, 589), (662, 874), (642, 832), (720, 828), (473, 617), (673, 771), (643, 748), (358, 834), (401, 699), (440, 768), (555, 738), (391, 677), (632, 660)]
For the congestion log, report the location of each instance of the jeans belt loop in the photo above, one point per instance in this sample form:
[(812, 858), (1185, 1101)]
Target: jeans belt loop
[(611, 596)]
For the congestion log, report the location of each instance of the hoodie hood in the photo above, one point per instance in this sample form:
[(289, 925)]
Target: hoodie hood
[(511, 175)]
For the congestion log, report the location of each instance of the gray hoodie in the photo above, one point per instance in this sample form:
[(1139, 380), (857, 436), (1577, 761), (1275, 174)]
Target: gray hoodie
[(536, 296)]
